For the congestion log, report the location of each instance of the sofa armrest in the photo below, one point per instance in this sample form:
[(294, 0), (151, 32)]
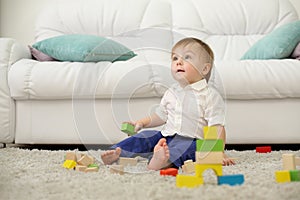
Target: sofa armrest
[(10, 52)]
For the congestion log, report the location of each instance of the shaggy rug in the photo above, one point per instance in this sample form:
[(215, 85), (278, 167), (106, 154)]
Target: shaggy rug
[(38, 174)]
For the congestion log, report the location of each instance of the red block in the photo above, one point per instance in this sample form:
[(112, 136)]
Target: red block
[(265, 149), (169, 172)]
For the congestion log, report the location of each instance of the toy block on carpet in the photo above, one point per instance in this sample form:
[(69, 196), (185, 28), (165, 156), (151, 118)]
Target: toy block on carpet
[(200, 168), (71, 155), (263, 149), (282, 176), (69, 164), (295, 175), (86, 160), (188, 181), (235, 179), (288, 161), (210, 132), (127, 161), (213, 157), (188, 167), (117, 169), (209, 145), (169, 172), (128, 128)]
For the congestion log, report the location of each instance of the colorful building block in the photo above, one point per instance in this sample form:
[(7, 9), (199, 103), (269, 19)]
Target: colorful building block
[(128, 128), (169, 172), (188, 167), (288, 161), (210, 132), (297, 161), (127, 161), (283, 176), (69, 164), (80, 168), (86, 160), (295, 175), (71, 155), (188, 181), (117, 169), (235, 179), (209, 145), (263, 149), (213, 157), (200, 168)]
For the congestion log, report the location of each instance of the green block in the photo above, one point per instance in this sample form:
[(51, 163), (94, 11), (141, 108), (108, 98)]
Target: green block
[(209, 145), (128, 128), (93, 165), (295, 175)]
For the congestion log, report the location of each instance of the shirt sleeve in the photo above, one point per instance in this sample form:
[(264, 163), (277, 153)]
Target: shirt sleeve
[(161, 111), (215, 108)]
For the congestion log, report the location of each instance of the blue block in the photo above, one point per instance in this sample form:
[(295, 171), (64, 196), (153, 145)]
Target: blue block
[(236, 179)]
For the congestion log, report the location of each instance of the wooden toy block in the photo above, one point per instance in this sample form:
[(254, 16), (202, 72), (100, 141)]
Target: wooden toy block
[(188, 167), (127, 161), (188, 181), (213, 157), (283, 176), (93, 165), (209, 145), (117, 169), (71, 156), (86, 160), (91, 169), (128, 128), (235, 179), (210, 132), (200, 168), (80, 168), (289, 161), (169, 172), (297, 161), (69, 164), (264, 149), (295, 175)]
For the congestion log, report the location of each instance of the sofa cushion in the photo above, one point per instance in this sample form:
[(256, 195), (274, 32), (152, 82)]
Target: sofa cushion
[(138, 78), (280, 43), (83, 48)]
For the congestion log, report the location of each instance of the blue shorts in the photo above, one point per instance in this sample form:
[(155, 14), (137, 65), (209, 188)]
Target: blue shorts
[(142, 144)]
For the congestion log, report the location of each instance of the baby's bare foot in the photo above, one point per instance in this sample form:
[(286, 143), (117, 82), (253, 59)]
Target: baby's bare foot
[(161, 156), (111, 156)]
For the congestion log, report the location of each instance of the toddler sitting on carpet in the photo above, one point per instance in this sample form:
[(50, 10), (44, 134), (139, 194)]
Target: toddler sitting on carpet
[(184, 110)]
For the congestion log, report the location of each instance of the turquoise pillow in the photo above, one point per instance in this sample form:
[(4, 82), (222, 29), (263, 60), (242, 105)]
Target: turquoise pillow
[(84, 48), (280, 43)]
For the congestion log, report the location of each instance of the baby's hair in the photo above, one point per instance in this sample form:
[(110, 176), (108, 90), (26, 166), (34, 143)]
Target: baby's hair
[(209, 58)]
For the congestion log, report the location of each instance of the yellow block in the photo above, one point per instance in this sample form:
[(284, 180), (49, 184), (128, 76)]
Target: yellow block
[(69, 164), (188, 181), (210, 132), (212, 157), (282, 176), (200, 168)]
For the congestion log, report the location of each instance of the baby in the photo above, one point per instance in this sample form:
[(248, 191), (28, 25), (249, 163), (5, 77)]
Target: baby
[(184, 110)]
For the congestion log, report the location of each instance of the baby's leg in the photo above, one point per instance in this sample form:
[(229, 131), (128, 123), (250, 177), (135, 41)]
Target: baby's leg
[(111, 156), (161, 156)]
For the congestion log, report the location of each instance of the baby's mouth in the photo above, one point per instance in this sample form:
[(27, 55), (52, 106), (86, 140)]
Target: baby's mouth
[(180, 70)]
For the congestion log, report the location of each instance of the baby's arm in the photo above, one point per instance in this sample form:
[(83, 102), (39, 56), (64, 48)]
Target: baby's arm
[(222, 135), (148, 122)]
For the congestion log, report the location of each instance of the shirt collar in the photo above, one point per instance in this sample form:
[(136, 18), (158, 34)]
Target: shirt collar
[(198, 85)]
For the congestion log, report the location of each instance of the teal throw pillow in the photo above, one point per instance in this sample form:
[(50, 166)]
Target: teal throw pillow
[(84, 48), (279, 44)]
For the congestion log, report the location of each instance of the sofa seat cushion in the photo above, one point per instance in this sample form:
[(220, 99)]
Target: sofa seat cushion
[(137, 78)]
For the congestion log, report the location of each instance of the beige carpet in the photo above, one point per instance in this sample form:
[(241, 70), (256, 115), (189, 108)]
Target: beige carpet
[(35, 174)]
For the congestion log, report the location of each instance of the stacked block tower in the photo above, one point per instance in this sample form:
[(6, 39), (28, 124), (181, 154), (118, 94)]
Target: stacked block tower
[(289, 173), (209, 155)]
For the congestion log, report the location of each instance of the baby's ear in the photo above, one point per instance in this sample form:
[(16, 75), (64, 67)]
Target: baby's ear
[(206, 69)]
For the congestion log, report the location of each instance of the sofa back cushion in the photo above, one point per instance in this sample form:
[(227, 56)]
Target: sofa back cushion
[(231, 27)]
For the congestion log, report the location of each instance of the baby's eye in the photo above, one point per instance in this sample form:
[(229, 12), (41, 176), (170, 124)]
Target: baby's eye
[(187, 57), (174, 58)]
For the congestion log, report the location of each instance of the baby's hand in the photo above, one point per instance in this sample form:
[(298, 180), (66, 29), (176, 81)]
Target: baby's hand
[(227, 161)]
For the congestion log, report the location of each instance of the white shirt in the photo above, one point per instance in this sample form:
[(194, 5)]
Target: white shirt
[(186, 110)]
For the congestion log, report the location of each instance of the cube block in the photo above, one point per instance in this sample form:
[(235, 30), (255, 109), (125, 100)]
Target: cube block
[(295, 175), (213, 157), (282, 176), (235, 179), (209, 145), (188, 181), (210, 132), (128, 128)]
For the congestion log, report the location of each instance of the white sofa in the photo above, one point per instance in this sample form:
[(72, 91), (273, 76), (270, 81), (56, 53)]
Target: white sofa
[(85, 103)]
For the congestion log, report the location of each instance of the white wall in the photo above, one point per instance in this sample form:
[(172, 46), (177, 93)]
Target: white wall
[(17, 18)]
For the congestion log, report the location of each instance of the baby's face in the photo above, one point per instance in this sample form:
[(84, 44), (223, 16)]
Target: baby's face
[(188, 64)]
